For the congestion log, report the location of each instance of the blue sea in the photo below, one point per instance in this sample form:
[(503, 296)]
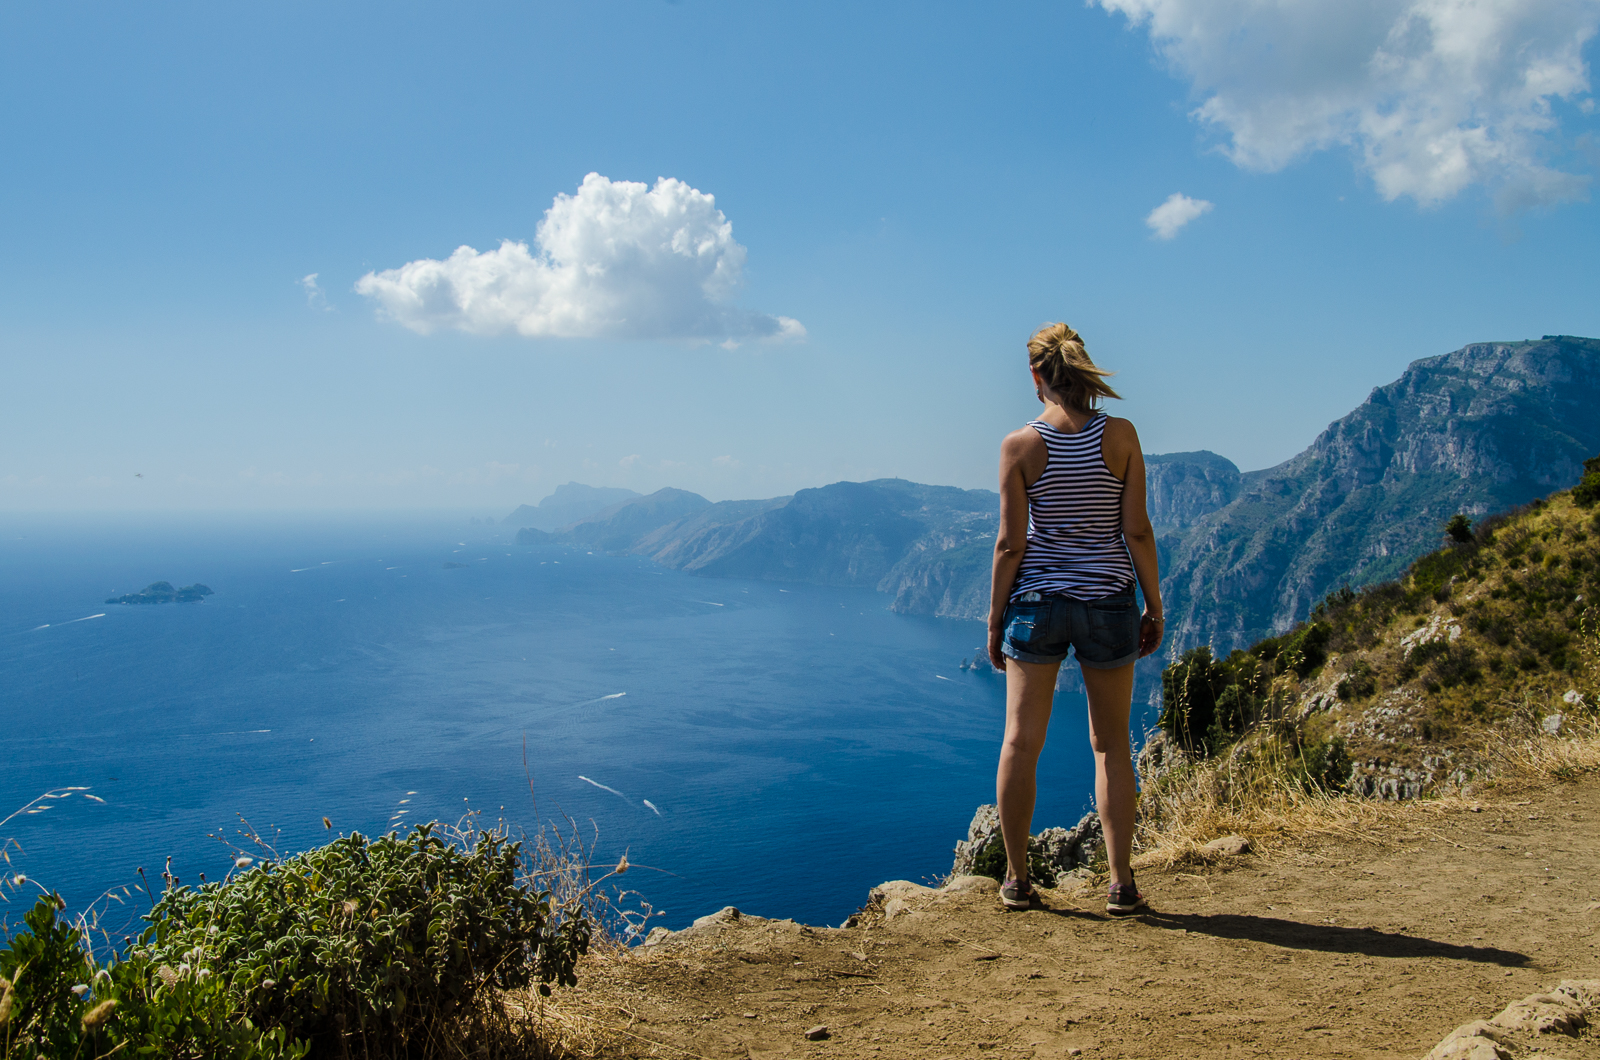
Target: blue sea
[(796, 744)]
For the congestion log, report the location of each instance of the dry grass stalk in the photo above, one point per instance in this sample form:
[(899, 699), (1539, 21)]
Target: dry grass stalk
[(1540, 756), (1254, 792), (596, 1020)]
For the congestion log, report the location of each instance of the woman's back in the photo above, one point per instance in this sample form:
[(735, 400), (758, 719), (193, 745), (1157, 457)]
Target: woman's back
[(1075, 543), (1074, 534)]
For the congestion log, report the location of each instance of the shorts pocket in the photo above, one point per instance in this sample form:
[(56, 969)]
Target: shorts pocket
[(1025, 623), (1114, 625)]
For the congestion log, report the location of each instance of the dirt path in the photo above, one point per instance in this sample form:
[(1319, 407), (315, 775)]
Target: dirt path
[(1369, 948)]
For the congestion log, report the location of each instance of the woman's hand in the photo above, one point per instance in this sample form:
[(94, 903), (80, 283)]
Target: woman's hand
[(1151, 628), (996, 658)]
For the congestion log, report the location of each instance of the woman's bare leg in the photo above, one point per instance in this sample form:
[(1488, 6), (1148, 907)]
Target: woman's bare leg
[(1110, 700), (1030, 691)]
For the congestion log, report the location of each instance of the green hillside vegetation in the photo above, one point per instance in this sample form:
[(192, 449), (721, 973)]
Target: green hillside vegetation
[(1391, 690)]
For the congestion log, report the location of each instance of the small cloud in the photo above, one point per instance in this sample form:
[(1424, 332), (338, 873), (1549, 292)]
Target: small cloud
[(630, 460), (314, 295), (725, 461), (617, 260), (1169, 218)]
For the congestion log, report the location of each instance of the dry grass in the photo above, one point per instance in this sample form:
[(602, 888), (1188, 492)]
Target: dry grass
[(1254, 797), (556, 1028), (607, 1016), (1538, 757), (1254, 792)]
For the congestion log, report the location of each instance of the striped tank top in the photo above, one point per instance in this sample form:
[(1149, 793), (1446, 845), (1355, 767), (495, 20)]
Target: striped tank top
[(1075, 543)]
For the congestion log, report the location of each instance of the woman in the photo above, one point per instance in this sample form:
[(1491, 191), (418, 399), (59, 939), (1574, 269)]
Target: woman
[(1074, 536)]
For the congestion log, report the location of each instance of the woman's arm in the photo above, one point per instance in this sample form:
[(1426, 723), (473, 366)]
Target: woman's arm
[(1140, 536), (1015, 453)]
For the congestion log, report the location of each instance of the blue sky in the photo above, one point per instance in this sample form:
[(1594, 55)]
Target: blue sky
[(917, 186)]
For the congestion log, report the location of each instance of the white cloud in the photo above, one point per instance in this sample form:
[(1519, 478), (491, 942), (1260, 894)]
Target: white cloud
[(617, 260), (1433, 95), (630, 461), (314, 296), (1165, 220)]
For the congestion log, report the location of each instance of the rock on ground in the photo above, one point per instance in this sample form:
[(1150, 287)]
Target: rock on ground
[(1515, 1034)]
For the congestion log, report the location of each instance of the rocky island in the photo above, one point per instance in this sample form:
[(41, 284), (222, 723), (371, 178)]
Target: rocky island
[(164, 593)]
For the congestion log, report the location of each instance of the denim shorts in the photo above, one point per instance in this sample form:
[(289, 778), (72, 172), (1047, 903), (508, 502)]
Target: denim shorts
[(1104, 633)]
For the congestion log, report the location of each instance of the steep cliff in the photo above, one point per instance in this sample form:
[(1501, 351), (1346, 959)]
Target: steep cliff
[(1487, 427), (1182, 488)]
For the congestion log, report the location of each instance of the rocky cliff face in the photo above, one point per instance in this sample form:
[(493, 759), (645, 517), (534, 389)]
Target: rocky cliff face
[(1182, 488), (1487, 427)]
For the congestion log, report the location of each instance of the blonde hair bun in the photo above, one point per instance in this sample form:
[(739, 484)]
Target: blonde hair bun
[(1057, 353)]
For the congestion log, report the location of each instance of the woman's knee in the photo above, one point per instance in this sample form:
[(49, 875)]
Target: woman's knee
[(1111, 744), (1111, 750), (1024, 746)]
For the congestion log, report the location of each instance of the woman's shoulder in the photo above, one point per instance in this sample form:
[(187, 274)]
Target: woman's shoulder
[(1119, 429), (1023, 437), (1022, 443)]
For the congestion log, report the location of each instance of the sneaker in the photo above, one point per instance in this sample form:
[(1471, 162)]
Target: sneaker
[(1125, 900), (1017, 894)]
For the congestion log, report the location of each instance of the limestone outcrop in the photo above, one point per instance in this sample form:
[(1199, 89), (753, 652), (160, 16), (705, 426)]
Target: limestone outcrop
[(1052, 853)]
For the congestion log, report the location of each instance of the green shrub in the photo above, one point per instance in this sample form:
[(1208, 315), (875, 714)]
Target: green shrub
[(1306, 649), (1496, 628), (1459, 528), (40, 966), (1358, 682), (376, 941), (1424, 653), (1323, 766), (1456, 666), (62, 1004), (1189, 689), (1431, 574), (361, 947), (1587, 492), (1236, 710), (1546, 641)]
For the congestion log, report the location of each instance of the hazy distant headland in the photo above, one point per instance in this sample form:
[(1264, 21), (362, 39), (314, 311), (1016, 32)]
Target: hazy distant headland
[(1244, 554), (164, 593), (567, 504)]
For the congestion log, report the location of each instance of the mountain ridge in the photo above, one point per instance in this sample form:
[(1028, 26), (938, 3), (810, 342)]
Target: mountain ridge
[(1484, 428), (1243, 554)]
